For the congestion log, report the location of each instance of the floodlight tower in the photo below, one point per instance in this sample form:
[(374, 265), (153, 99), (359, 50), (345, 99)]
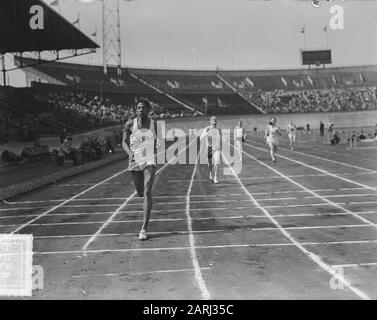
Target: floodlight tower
[(111, 44)]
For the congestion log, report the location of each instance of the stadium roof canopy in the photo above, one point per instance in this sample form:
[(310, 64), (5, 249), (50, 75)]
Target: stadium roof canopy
[(16, 34)]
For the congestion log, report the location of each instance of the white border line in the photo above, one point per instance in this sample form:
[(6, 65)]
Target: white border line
[(198, 274)]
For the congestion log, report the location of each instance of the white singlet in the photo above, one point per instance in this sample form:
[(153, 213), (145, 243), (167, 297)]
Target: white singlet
[(212, 140), (291, 131), (142, 145), (272, 135)]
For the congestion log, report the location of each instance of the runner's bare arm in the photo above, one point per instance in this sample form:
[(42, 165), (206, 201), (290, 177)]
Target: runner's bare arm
[(266, 133), (204, 133), (159, 133), (126, 137)]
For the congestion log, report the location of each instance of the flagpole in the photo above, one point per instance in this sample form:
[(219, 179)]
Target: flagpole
[(304, 37), (327, 38)]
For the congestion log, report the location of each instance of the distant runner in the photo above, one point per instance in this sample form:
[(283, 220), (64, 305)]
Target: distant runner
[(291, 134), (213, 137), (239, 126), (272, 135)]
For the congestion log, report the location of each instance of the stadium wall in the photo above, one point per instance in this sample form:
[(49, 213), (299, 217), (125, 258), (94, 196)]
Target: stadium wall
[(350, 119)]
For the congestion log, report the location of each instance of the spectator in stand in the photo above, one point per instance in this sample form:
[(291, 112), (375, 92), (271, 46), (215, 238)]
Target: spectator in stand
[(255, 129), (362, 135), (331, 127), (322, 129), (317, 100), (63, 135), (109, 145), (68, 151), (86, 150), (334, 138)]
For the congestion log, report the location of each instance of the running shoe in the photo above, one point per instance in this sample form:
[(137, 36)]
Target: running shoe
[(143, 235)]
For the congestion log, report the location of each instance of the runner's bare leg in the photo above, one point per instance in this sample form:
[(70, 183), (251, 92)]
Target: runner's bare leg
[(149, 174)]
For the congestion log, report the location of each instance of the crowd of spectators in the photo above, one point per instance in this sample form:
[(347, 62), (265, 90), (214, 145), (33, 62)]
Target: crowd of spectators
[(317, 100), (85, 108), (90, 149)]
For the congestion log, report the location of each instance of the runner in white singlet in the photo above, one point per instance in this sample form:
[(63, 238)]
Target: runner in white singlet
[(243, 135), (272, 135), (212, 136), (139, 141), (291, 128)]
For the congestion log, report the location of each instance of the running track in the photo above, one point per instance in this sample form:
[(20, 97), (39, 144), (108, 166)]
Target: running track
[(276, 231)]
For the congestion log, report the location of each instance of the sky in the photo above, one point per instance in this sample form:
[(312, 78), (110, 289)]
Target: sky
[(231, 34)]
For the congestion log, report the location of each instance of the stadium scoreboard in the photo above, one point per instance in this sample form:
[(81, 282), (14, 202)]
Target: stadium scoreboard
[(316, 57)]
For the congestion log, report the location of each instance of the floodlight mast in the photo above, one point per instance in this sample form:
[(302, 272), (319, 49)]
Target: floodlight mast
[(112, 43)]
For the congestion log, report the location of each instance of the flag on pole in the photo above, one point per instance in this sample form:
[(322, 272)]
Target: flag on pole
[(55, 3), (303, 30)]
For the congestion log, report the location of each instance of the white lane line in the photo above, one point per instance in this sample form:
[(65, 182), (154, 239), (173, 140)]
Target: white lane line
[(337, 162), (86, 245), (300, 246), (135, 273), (329, 202), (128, 234), (205, 231), (342, 154), (121, 198), (278, 177), (136, 211), (194, 259), (346, 195), (66, 201), (255, 245), (181, 219), (68, 214), (105, 224), (192, 196), (157, 203), (329, 160), (87, 184), (355, 265), (220, 201), (316, 168)]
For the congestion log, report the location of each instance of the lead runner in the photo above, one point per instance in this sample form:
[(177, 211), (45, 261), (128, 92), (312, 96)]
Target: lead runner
[(139, 141)]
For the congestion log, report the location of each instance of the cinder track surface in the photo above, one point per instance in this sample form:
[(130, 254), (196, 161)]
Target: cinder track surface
[(275, 231)]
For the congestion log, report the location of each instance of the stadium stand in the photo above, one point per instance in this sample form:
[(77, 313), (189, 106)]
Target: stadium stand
[(81, 97), (318, 90)]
